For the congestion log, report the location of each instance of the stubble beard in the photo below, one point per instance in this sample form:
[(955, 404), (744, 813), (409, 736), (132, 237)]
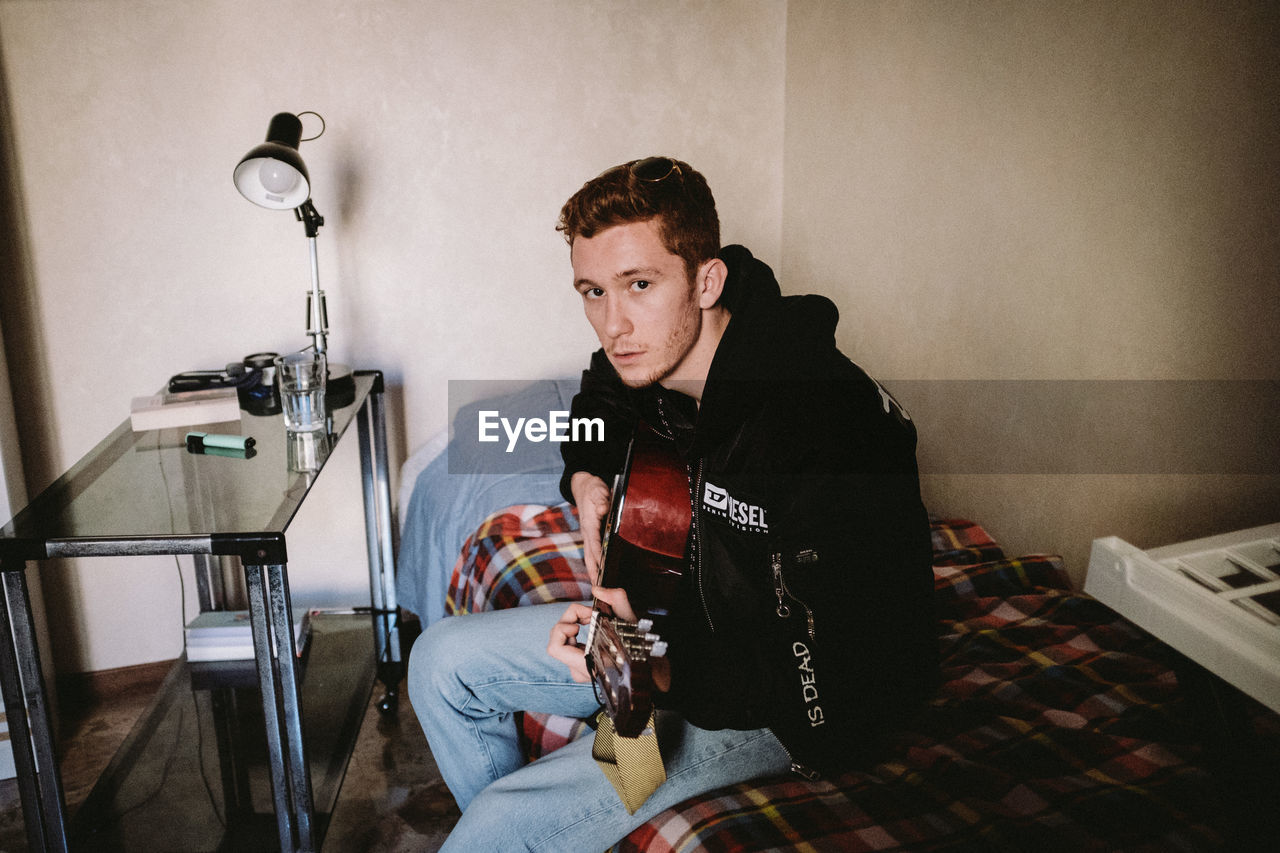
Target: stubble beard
[(677, 346)]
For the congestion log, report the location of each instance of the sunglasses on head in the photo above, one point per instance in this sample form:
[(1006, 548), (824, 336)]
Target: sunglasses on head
[(653, 169)]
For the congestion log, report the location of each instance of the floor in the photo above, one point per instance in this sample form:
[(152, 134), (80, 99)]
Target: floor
[(392, 798)]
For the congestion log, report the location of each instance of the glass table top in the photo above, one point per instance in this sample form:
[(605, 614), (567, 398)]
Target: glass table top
[(139, 486)]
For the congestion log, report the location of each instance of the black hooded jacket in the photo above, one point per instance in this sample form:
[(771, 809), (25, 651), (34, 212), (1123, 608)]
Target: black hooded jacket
[(807, 606)]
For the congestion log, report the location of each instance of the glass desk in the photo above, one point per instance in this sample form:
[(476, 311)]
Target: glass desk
[(143, 493)]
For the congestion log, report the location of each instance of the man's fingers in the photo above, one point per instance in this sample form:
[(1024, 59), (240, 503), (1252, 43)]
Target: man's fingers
[(592, 498), (591, 557), (563, 646), (571, 656), (565, 633), (617, 601)]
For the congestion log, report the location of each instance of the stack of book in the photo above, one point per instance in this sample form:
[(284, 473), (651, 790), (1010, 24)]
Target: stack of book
[(184, 408), (219, 635)]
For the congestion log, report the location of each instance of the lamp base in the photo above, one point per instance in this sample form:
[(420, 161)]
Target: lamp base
[(340, 387)]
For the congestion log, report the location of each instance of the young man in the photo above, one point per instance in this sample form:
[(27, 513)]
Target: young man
[(802, 630)]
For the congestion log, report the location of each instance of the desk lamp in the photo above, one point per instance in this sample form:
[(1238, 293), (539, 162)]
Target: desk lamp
[(273, 176)]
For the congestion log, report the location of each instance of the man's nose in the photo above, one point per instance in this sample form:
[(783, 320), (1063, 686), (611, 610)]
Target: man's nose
[(617, 322)]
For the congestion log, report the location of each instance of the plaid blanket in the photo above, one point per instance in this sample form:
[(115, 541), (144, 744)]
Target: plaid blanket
[(1057, 725), (524, 554)]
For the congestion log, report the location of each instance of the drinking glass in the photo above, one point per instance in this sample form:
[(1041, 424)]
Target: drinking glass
[(301, 376)]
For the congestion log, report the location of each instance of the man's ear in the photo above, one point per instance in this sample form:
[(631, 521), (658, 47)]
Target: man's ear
[(710, 282)]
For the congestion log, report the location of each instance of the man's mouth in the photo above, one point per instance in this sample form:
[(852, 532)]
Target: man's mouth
[(627, 355)]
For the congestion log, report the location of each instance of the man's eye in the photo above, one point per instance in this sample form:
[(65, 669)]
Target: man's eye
[(640, 285), (592, 293)]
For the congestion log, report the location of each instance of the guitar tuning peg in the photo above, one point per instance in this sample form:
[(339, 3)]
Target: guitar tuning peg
[(659, 649), (644, 626)]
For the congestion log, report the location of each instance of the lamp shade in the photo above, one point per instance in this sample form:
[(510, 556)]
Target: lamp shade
[(272, 174)]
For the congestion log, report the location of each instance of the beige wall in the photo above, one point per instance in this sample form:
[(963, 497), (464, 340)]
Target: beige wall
[(988, 190), (1045, 191), (455, 131)]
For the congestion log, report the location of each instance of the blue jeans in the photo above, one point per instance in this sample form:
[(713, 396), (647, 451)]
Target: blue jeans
[(468, 674)]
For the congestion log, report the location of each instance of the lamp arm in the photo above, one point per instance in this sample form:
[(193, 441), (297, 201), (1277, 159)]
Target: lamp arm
[(317, 313)]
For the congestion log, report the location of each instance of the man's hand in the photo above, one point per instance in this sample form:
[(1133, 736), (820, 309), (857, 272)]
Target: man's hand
[(659, 667), (563, 645), (617, 602), (592, 498)]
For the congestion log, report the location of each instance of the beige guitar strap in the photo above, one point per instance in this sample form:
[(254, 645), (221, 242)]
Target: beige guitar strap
[(633, 765)]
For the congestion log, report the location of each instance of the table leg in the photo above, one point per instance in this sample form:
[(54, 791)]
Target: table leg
[(271, 613), (372, 427), (39, 778)]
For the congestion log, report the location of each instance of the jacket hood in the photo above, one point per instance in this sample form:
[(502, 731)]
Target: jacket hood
[(769, 335), (750, 280), (770, 338)]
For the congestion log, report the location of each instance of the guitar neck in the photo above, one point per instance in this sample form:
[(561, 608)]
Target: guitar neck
[(643, 552)]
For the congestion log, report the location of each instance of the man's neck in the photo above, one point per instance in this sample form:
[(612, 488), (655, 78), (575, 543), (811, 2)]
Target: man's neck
[(689, 387), (690, 378)]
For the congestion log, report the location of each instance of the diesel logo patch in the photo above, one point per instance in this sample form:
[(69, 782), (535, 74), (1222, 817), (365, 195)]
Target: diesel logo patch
[(740, 514)]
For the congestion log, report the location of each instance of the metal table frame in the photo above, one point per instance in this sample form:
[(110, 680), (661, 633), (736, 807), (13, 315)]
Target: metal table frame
[(263, 556)]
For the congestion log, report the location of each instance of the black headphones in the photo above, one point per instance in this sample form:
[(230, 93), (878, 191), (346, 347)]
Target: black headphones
[(237, 374)]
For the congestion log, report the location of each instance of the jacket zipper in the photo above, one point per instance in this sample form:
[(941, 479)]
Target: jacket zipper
[(697, 544), (694, 503), (783, 593), (799, 769)]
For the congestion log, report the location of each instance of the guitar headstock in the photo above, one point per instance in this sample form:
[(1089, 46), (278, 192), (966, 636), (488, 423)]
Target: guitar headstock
[(621, 658)]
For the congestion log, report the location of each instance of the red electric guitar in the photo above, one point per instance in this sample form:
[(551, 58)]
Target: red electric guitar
[(642, 551)]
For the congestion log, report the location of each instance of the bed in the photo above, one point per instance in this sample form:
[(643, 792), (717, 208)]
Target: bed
[(1058, 725)]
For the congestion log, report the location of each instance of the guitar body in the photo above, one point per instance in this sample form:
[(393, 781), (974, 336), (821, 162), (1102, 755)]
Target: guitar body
[(643, 552)]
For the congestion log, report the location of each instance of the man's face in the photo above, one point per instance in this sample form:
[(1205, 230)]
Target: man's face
[(639, 299)]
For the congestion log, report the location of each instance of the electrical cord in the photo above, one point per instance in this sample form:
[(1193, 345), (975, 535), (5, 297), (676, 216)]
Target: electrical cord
[(195, 701)]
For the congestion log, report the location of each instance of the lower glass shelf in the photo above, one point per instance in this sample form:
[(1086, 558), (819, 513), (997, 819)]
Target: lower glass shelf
[(193, 773)]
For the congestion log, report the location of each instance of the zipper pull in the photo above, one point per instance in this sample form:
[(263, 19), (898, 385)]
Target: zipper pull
[(806, 772), (779, 590)]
